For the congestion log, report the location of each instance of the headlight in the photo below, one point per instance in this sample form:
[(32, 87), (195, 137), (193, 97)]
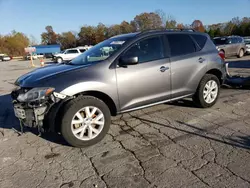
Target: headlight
[(35, 94)]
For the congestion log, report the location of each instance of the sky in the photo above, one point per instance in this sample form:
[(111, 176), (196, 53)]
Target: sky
[(32, 16)]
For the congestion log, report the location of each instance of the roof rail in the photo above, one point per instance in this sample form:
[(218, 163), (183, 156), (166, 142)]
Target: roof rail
[(168, 29)]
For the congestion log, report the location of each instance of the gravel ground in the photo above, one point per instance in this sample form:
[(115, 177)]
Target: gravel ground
[(170, 145)]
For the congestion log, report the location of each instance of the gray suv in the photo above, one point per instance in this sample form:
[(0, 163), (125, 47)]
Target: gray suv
[(121, 74), (231, 46)]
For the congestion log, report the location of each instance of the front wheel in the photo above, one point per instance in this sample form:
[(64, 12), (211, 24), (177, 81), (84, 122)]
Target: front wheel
[(85, 122), (208, 91), (241, 53)]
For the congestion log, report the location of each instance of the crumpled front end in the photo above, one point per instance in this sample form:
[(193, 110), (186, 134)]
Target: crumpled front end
[(31, 105)]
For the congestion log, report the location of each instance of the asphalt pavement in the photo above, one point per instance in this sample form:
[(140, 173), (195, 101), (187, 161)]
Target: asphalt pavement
[(169, 145)]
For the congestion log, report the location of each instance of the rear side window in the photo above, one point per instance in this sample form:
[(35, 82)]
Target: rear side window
[(181, 44), (82, 50), (200, 39), (72, 52)]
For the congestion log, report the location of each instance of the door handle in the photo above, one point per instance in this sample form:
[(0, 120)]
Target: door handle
[(163, 68), (201, 60)]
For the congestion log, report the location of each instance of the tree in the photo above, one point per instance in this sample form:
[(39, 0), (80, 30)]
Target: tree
[(49, 37), (147, 21), (180, 26), (100, 33), (170, 22), (87, 35), (126, 27), (14, 43), (32, 40), (113, 30), (163, 17), (198, 26), (217, 32), (67, 40)]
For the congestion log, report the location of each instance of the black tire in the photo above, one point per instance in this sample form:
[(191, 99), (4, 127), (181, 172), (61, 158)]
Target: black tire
[(198, 97), (71, 108), (59, 60), (241, 53)]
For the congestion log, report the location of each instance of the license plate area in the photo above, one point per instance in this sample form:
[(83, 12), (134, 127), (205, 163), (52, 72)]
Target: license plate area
[(19, 112)]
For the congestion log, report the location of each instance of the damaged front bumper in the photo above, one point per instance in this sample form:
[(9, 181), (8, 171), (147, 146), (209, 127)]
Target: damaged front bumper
[(34, 114)]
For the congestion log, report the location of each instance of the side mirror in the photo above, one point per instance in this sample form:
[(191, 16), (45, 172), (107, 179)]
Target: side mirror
[(129, 60)]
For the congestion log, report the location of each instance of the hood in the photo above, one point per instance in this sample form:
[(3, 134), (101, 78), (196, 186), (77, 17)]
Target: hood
[(41, 75)]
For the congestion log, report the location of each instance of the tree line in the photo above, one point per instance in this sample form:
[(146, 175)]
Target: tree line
[(14, 43)]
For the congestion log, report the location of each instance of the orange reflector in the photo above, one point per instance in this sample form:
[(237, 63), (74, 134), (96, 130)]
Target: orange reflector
[(49, 91)]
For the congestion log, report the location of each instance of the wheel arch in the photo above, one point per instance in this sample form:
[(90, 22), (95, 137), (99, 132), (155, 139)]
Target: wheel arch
[(56, 117), (217, 73)]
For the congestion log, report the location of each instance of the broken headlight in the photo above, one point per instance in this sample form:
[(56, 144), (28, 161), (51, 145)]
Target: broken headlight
[(35, 94)]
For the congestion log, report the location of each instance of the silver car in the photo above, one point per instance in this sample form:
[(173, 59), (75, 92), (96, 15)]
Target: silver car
[(139, 70), (231, 46)]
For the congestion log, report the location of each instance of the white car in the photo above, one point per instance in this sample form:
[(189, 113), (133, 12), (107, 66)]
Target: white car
[(69, 54), (34, 57)]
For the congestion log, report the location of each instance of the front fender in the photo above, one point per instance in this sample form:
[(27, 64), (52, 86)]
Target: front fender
[(83, 87)]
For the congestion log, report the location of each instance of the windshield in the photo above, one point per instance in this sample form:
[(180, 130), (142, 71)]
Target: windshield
[(100, 51), (221, 41)]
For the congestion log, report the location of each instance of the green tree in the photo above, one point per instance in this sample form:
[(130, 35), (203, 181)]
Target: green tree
[(67, 40), (87, 35), (147, 21), (49, 37)]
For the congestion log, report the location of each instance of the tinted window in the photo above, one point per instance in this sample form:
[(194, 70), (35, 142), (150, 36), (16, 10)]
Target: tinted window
[(82, 50), (72, 52), (235, 40), (181, 44), (147, 50), (200, 39)]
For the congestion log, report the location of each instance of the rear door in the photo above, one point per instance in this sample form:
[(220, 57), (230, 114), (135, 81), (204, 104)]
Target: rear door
[(148, 81), (188, 62), (235, 45)]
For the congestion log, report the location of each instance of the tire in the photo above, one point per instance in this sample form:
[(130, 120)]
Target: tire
[(199, 97), (59, 60), (69, 114), (241, 53)]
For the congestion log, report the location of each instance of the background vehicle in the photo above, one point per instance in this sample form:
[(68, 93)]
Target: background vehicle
[(69, 54), (6, 58), (138, 70), (247, 42), (231, 46), (34, 56)]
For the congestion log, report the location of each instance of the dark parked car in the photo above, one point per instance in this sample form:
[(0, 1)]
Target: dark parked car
[(141, 69), (231, 46)]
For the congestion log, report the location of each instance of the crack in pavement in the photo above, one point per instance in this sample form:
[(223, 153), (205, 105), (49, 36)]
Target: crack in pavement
[(95, 169)]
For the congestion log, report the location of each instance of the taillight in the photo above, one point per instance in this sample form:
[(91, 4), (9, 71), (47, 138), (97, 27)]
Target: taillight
[(222, 55)]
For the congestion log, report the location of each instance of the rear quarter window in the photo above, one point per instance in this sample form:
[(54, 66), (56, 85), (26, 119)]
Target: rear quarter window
[(201, 40)]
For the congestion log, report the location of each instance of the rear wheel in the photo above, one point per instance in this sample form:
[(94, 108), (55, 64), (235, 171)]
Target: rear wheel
[(59, 60), (85, 122), (208, 91), (241, 53)]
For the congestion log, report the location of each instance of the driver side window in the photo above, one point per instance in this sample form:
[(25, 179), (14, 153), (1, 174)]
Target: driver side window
[(146, 50)]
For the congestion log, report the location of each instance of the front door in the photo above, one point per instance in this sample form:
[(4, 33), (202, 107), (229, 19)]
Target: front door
[(148, 81)]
